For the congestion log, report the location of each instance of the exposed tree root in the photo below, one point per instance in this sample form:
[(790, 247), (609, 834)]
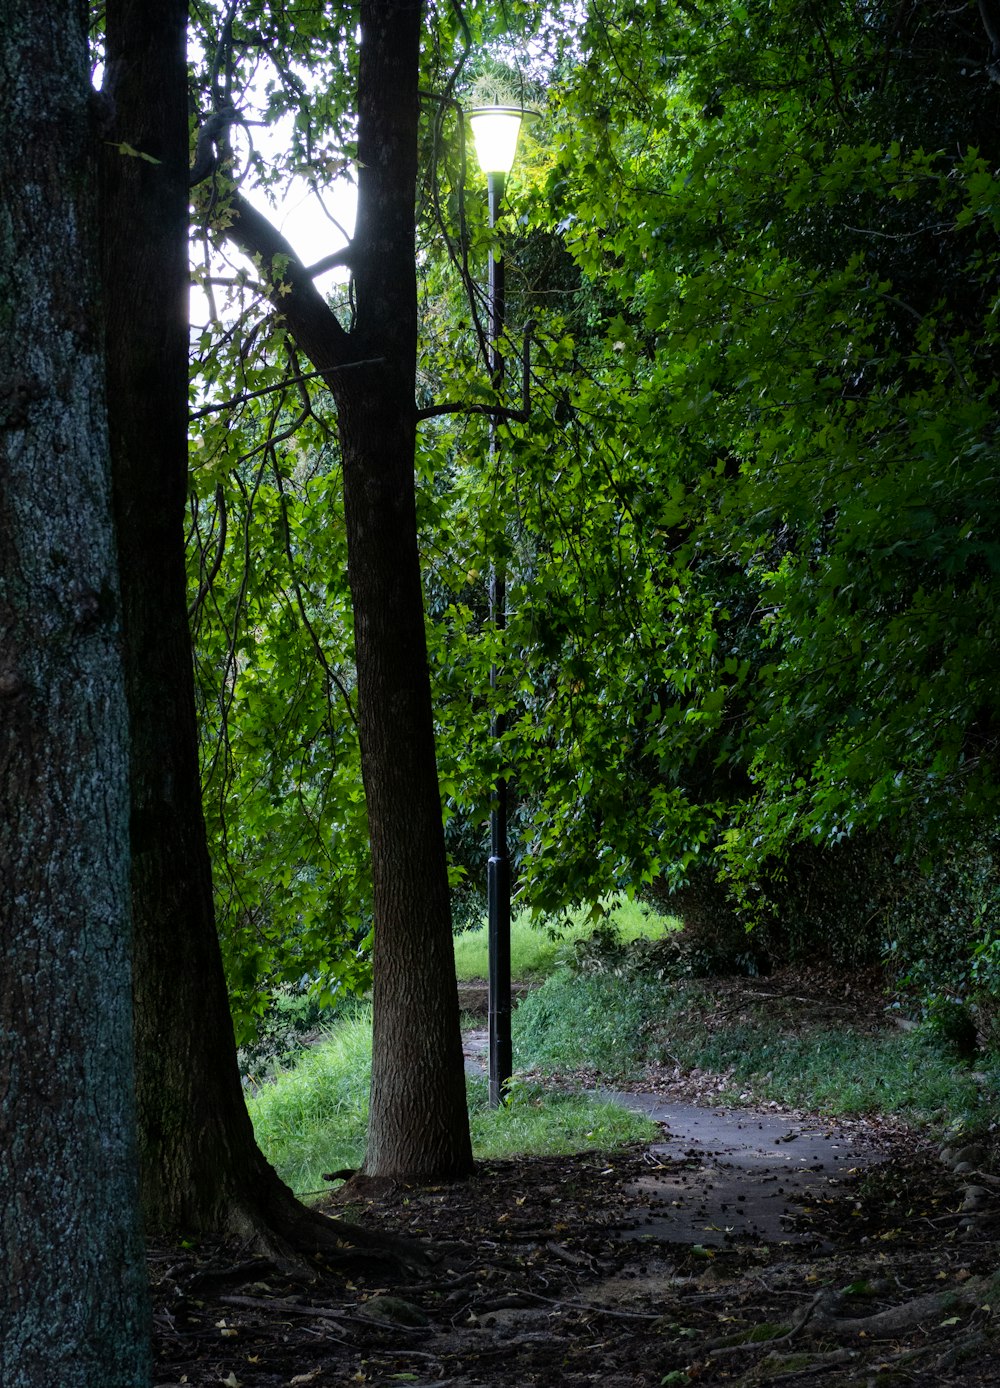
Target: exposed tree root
[(358, 1185), (964, 1348), (817, 1363), (821, 1317), (298, 1238)]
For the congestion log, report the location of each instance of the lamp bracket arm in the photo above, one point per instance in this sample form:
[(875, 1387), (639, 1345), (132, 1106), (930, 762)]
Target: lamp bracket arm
[(495, 412)]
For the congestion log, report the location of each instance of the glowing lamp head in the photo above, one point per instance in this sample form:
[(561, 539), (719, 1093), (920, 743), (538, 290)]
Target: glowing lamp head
[(495, 130)]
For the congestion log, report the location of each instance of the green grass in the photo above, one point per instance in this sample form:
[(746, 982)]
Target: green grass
[(537, 948), (541, 1122), (846, 1073), (594, 1021), (612, 1025), (311, 1117)]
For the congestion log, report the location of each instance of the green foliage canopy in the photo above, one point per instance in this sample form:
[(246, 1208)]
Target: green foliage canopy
[(750, 528)]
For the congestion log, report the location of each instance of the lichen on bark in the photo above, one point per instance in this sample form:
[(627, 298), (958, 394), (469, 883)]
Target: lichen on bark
[(73, 1303)]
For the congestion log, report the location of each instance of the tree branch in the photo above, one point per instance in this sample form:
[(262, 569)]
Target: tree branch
[(315, 327), (497, 412), (207, 579), (331, 262), (270, 390), (211, 134)]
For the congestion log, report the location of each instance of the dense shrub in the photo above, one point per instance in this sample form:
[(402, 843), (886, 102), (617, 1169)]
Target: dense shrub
[(931, 913), (819, 903), (943, 940)]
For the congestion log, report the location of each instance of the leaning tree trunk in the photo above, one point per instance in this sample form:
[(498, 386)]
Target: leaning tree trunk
[(201, 1167), (73, 1304), (418, 1125)]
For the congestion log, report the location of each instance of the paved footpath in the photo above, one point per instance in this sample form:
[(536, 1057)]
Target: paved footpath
[(734, 1174), (722, 1174)]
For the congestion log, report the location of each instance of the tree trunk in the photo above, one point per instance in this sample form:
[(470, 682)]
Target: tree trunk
[(73, 1303), (193, 1124), (418, 1126), (418, 1121), (201, 1167)]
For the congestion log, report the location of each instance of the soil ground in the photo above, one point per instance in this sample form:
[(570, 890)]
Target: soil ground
[(750, 1248)]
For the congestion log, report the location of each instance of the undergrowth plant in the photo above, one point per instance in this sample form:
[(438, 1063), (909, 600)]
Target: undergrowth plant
[(593, 1022), (841, 1073)]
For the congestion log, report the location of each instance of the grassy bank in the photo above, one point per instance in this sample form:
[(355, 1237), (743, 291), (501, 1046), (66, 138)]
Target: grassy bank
[(611, 1025), (603, 1010), (536, 950), (311, 1116)]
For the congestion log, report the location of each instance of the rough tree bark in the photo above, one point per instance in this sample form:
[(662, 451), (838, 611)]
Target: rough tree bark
[(201, 1167), (195, 1136), (418, 1127), (72, 1272)]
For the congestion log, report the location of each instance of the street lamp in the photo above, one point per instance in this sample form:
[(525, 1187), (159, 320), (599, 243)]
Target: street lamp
[(495, 130)]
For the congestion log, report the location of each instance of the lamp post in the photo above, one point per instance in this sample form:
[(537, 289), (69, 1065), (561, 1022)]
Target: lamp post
[(495, 130)]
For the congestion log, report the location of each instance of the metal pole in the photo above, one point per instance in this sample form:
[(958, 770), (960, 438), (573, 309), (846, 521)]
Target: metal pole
[(498, 867)]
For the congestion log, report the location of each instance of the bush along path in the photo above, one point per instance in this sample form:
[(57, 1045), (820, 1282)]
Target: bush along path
[(719, 1254)]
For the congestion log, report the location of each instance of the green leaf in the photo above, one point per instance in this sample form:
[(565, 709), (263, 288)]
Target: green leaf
[(131, 152)]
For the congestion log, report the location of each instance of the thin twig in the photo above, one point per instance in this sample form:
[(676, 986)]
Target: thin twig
[(595, 1310), (331, 674), (497, 412), (287, 381)]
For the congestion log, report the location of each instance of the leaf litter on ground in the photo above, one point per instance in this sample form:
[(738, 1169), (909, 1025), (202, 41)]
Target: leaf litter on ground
[(543, 1274)]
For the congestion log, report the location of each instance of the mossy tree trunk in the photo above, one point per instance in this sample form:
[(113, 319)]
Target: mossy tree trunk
[(73, 1302)]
